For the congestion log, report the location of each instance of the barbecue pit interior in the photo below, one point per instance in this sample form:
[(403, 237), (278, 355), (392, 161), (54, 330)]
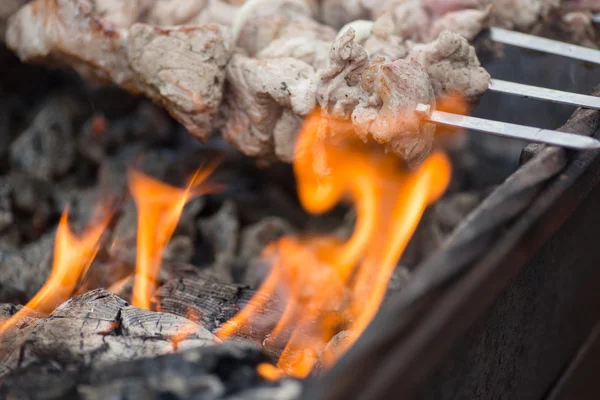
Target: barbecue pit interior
[(213, 199)]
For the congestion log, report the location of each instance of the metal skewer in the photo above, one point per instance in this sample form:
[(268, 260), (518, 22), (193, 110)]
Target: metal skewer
[(547, 136), (528, 133), (532, 42), (541, 93)]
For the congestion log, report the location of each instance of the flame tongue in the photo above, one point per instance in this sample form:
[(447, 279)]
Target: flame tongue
[(331, 285), (71, 260), (159, 207)]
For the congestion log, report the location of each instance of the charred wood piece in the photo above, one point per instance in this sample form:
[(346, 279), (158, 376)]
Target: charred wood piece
[(93, 329)]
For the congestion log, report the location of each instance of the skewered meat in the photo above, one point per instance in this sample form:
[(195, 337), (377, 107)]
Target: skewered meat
[(337, 13), (442, 7), (8, 8), (265, 102), (53, 30), (282, 28), (382, 41), (380, 97), (467, 23), (452, 65), (182, 68), (308, 42), (422, 21), (522, 14), (259, 22), (284, 66)]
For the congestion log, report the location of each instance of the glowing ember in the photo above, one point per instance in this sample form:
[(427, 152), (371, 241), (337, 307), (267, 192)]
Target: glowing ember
[(331, 285), (71, 260), (159, 207)]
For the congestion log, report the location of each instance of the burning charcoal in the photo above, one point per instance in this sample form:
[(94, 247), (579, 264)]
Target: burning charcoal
[(31, 196), (284, 389), (136, 322), (110, 274), (214, 303), (97, 328), (99, 136), (111, 178), (18, 277), (250, 268), (124, 238), (188, 222), (222, 231), (24, 271), (46, 149), (180, 249), (6, 211), (6, 133), (215, 372)]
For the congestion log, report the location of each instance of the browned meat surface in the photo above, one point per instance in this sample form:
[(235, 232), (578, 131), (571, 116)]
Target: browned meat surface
[(284, 64), (265, 102), (182, 68), (8, 8), (467, 23), (380, 97), (67, 31), (452, 65), (282, 28), (337, 13)]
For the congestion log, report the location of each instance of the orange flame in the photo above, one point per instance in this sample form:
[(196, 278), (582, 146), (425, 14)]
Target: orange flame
[(72, 257), (159, 207), (331, 285)]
